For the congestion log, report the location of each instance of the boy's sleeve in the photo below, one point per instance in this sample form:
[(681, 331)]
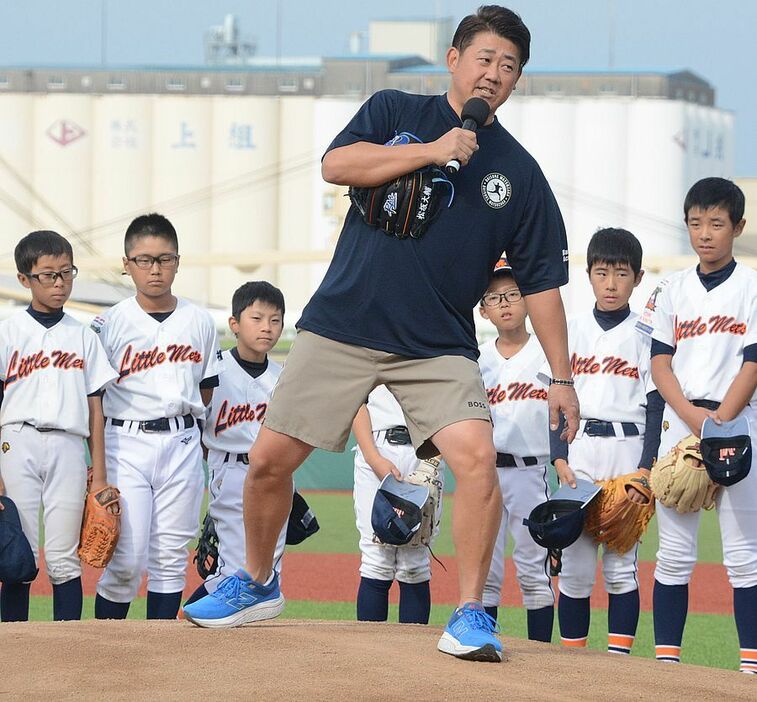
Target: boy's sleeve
[(374, 122), (211, 352), (656, 320), (750, 342), (97, 369)]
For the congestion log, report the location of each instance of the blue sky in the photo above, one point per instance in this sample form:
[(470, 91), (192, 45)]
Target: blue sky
[(716, 40)]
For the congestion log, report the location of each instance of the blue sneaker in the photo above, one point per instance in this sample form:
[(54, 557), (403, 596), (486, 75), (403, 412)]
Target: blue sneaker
[(238, 600), (470, 635)]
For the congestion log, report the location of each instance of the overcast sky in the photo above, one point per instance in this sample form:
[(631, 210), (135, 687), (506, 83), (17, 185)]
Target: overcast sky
[(714, 39)]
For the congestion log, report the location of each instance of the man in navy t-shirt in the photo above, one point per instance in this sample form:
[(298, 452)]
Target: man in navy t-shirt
[(399, 312)]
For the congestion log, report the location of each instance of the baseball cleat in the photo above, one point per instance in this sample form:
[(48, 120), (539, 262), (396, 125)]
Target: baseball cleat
[(469, 635), (237, 600)]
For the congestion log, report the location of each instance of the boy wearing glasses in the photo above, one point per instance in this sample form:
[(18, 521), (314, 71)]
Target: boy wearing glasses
[(518, 403), (52, 370), (165, 350)]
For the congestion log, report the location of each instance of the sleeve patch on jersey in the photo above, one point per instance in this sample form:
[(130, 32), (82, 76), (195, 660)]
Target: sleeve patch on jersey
[(97, 324)]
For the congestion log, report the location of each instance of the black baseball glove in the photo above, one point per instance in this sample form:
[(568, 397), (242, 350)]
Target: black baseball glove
[(206, 555), (407, 205)]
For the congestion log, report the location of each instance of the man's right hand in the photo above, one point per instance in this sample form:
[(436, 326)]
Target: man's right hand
[(459, 144), (2, 492)]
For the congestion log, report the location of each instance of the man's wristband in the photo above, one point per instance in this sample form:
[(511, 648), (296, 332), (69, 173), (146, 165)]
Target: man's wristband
[(561, 381)]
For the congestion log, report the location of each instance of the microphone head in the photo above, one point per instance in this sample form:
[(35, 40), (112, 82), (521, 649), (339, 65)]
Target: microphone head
[(476, 109)]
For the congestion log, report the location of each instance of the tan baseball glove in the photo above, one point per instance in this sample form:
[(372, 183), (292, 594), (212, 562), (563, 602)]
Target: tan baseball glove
[(615, 520), (101, 526), (679, 479), (428, 474)]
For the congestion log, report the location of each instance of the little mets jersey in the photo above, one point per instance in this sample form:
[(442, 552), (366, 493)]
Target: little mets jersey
[(239, 406), (611, 369), (517, 399), (160, 364), (708, 330), (48, 373)]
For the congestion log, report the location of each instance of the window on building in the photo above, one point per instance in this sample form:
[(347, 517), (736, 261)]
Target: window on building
[(288, 85), (116, 83), (235, 84), (55, 83), (175, 84)]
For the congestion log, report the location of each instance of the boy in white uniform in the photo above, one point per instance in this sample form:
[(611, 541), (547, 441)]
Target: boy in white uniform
[(384, 447), (246, 383), (703, 323), (610, 365), (166, 351), (510, 365), (52, 370)]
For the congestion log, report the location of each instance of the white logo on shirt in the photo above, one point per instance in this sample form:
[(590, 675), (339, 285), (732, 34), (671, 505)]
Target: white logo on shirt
[(496, 190)]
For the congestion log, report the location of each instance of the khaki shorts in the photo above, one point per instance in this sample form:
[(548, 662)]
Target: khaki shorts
[(324, 383)]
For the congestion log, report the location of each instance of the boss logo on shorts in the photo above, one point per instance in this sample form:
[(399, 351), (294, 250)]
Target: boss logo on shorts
[(496, 190), (480, 405)]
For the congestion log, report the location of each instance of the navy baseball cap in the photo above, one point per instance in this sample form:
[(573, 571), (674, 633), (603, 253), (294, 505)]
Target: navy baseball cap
[(397, 510), (302, 522), (726, 450), (16, 557)]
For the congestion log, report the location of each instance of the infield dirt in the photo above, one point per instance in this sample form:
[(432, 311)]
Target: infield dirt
[(313, 660)]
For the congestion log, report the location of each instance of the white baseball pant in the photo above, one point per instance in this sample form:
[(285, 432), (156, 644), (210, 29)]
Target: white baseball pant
[(161, 481), (48, 466), (522, 489)]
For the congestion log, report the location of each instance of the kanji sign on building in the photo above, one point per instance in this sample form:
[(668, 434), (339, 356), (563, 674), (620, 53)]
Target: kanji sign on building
[(65, 132)]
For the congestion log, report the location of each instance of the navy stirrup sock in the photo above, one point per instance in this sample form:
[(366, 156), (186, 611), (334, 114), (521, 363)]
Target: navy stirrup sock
[(670, 604), (574, 614), (163, 605), (373, 600), (492, 612), (540, 623), (106, 609), (67, 600), (14, 602), (622, 620), (415, 602)]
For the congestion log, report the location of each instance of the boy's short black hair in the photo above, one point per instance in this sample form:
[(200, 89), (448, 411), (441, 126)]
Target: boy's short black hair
[(715, 192), (40, 243), (261, 290), (152, 224), (614, 247), (497, 20)]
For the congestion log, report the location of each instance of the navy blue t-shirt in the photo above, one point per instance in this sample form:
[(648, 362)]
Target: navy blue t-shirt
[(415, 297)]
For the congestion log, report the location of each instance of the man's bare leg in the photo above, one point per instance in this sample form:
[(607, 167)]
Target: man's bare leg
[(268, 496), (468, 450)]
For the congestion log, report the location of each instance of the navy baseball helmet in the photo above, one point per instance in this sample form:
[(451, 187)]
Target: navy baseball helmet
[(16, 557), (726, 450), (397, 510)]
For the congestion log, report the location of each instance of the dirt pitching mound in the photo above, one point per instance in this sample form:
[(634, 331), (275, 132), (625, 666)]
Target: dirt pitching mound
[(311, 660)]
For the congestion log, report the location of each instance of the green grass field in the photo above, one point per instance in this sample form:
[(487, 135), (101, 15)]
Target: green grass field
[(709, 639)]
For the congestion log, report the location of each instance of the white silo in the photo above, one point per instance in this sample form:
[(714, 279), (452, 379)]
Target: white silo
[(181, 157), (122, 168), (16, 164), (244, 174), (62, 174)]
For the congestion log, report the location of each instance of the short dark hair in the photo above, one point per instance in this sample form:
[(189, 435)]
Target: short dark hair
[(498, 20), (614, 247), (152, 224), (715, 192), (261, 290), (40, 243)]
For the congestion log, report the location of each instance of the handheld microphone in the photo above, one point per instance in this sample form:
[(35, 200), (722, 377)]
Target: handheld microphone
[(475, 113)]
